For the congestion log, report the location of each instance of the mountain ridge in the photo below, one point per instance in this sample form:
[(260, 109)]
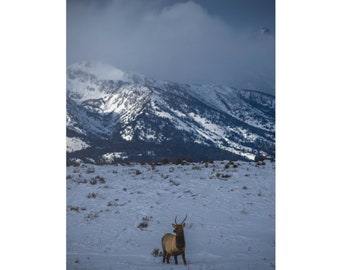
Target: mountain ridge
[(145, 119)]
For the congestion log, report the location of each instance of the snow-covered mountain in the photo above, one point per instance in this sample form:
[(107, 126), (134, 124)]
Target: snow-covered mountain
[(114, 115)]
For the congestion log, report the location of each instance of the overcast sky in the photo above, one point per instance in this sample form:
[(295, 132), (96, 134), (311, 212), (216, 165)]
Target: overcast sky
[(197, 41)]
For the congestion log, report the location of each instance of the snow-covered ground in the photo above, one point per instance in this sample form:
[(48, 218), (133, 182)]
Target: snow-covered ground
[(117, 214)]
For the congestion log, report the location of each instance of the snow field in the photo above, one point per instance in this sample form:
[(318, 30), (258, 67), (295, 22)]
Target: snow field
[(117, 214)]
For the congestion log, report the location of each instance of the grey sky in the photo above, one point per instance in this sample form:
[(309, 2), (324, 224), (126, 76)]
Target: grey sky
[(187, 41)]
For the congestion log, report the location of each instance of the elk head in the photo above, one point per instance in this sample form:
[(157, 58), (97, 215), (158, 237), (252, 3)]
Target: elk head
[(178, 228)]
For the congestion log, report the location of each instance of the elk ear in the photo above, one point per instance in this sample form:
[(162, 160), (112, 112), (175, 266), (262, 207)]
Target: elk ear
[(183, 225), (174, 225)]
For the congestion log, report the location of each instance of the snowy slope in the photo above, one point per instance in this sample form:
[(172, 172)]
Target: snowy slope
[(115, 111), (75, 144), (230, 207)]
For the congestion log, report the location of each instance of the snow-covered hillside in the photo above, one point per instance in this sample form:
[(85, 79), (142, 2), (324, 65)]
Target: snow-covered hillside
[(117, 214), (110, 111)]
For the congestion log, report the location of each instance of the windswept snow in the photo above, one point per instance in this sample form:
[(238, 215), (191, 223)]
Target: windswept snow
[(117, 214), (100, 70)]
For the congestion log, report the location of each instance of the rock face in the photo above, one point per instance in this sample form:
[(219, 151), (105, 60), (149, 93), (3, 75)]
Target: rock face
[(114, 115)]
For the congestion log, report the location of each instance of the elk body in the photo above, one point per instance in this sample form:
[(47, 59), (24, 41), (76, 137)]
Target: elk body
[(174, 245)]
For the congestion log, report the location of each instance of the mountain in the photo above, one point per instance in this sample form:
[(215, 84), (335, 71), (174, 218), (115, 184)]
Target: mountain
[(114, 115)]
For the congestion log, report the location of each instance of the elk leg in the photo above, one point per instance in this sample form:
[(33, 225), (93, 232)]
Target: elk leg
[(183, 257), (168, 258), (175, 256), (164, 253)]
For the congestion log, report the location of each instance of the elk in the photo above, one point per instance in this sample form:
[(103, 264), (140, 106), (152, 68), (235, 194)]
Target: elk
[(174, 245)]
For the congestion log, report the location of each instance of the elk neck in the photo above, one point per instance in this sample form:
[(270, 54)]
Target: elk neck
[(180, 241)]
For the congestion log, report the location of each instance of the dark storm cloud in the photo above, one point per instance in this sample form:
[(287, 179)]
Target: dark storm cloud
[(173, 40)]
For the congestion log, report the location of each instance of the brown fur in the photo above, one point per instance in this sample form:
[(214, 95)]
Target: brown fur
[(174, 245)]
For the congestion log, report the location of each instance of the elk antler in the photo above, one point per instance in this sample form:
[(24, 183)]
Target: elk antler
[(182, 221), (184, 218)]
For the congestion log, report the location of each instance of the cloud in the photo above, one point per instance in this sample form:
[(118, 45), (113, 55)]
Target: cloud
[(179, 42)]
